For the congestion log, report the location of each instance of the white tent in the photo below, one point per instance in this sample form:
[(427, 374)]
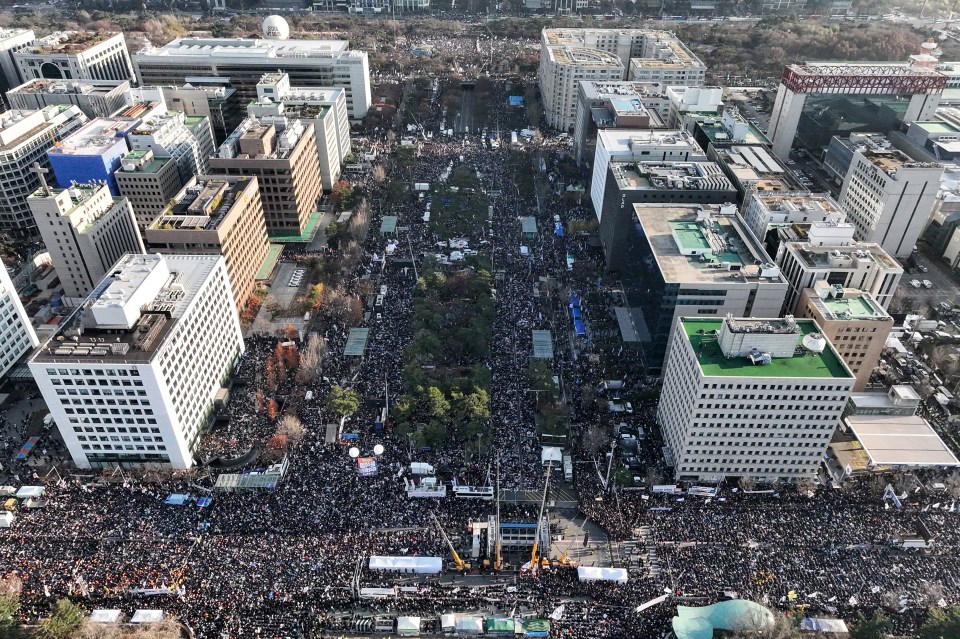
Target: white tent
[(421, 565), (448, 622), (592, 573), (147, 616), (104, 615), (30, 491), (6, 519), (470, 625), (408, 626), (551, 454)]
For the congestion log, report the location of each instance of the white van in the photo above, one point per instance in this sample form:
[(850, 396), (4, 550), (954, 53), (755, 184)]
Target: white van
[(421, 468)]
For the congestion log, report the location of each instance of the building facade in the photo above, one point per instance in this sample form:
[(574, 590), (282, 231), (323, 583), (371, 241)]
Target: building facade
[(309, 63), (92, 153), (766, 212), (751, 397), (218, 216), (130, 378), (11, 41), (97, 99), (85, 230), (282, 154), (76, 55), (889, 198), (25, 138), (17, 337), (219, 103), (148, 182), (186, 139), (853, 321)]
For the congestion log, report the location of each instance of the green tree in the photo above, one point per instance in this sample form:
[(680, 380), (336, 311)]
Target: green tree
[(434, 435), (875, 626), (66, 620), (343, 401), (941, 623), (437, 404), (476, 405), (540, 375)]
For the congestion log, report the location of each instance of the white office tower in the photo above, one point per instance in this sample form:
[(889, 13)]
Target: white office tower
[(11, 41), (326, 108), (764, 211), (25, 137), (17, 337), (750, 397), (75, 55), (186, 139), (889, 198), (86, 230), (131, 377)]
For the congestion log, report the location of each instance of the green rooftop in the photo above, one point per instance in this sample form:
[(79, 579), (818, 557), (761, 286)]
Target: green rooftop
[(703, 333), (854, 308), (689, 235), (309, 231), (936, 126)]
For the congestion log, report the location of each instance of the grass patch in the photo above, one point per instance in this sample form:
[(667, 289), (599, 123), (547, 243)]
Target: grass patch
[(463, 212)]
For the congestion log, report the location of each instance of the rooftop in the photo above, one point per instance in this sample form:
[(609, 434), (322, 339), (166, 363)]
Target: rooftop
[(936, 126), (84, 87), (853, 305), (250, 50), (841, 257), (67, 42), (691, 176), (201, 207), (712, 127), (713, 249), (702, 334), (623, 141), (900, 440), (598, 90), (96, 136), (279, 133), (796, 201), (136, 159), (132, 310), (585, 57), (18, 126)]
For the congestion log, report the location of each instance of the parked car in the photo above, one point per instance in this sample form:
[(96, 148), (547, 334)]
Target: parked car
[(927, 284), (915, 283)]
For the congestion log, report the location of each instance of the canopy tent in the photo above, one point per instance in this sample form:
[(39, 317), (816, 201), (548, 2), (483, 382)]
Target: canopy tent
[(577, 314), (203, 502), (574, 300), (900, 440), (542, 344), (407, 626), (147, 616), (528, 226), (536, 627), (735, 615), (579, 328), (356, 342), (593, 573), (177, 499), (388, 226), (448, 622), (551, 454), (420, 565), (105, 615), (501, 626), (28, 492), (469, 625)]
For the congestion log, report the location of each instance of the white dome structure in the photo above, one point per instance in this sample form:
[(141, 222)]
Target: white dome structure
[(276, 28), (814, 342)]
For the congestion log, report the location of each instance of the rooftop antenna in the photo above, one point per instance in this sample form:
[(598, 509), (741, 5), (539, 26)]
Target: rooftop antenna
[(41, 173)]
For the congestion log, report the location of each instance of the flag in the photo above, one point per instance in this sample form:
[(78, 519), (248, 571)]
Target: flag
[(557, 613)]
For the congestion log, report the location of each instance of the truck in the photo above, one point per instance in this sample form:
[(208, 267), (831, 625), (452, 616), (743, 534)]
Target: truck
[(421, 468), (567, 467)]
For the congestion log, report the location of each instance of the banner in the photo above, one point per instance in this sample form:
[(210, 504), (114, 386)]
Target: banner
[(367, 466)]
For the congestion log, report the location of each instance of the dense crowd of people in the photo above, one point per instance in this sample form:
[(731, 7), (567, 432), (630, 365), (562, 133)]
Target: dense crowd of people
[(291, 562)]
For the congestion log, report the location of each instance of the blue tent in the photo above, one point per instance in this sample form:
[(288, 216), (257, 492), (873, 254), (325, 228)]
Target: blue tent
[(558, 229), (578, 327), (574, 301), (576, 314), (515, 100)]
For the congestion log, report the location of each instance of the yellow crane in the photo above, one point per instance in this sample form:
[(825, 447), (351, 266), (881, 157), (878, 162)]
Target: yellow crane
[(535, 558), (459, 563)]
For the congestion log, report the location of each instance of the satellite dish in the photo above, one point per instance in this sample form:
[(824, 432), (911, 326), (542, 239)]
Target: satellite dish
[(276, 28), (378, 449), (354, 452)]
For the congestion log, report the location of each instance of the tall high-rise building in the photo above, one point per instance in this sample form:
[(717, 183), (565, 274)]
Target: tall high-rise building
[(219, 103), (75, 55), (765, 213), (694, 260), (186, 139), (92, 153), (219, 215), (326, 109), (829, 253), (131, 376), (25, 137), (568, 56), (853, 321), (17, 337), (11, 41), (889, 198), (149, 182), (282, 154), (86, 230), (309, 63), (750, 397), (96, 98)]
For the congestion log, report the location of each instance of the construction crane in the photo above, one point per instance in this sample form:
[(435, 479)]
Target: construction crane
[(498, 563), (459, 563), (535, 557)]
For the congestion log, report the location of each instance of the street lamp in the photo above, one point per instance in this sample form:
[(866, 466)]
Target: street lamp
[(377, 450)]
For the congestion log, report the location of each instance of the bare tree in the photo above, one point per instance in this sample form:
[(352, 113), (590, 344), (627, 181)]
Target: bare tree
[(747, 482), (311, 360), (360, 221), (379, 173), (952, 484), (291, 428), (595, 440)]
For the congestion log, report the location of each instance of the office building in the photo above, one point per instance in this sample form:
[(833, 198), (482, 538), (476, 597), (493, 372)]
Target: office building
[(839, 155), (11, 41), (900, 400), (611, 105), (688, 260), (131, 377), (568, 56), (219, 103), (217, 216), (326, 109), (817, 101), (766, 213), (853, 321), (148, 182), (752, 169), (686, 100), (25, 137), (756, 398), (632, 145), (829, 253), (76, 55), (85, 229), (96, 98), (92, 153), (889, 198), (282, 154), (309, 63), (17, 337), (187, 139)]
